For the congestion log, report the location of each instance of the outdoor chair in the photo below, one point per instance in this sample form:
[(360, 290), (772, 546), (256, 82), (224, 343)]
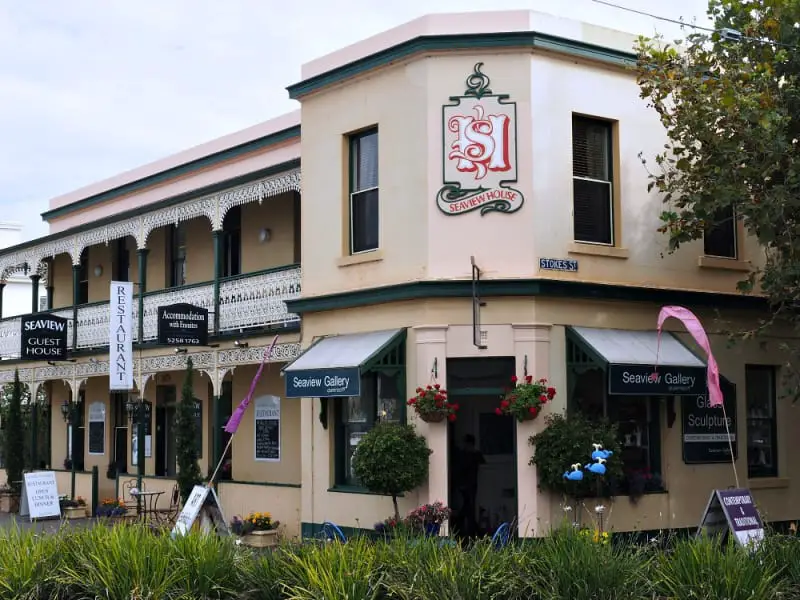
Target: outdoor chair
[(128, 497), (170, 514)]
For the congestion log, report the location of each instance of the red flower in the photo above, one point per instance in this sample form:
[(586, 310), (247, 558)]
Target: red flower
[(454, 406), (439, 404), (504, 404), (429, 387), (436, 386), (543, 399), (513, 379), (543, 380), (419, 390), (529, 379), (533, 410), (497, 411), (451, 417), (551, 392)]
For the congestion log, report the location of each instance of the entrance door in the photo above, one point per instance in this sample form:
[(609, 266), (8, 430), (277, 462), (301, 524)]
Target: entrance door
[(77, 432), (482, 462), (166, 455)]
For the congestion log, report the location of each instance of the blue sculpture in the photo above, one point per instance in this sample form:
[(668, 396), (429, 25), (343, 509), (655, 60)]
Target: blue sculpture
[(575, 474), (600, 453), (598, 467)]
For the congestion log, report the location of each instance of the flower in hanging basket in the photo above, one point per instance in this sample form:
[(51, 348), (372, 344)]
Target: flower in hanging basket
[(524, 401), (432, 405)]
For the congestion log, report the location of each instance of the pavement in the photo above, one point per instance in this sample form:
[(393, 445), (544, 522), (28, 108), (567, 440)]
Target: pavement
[(8, 521)]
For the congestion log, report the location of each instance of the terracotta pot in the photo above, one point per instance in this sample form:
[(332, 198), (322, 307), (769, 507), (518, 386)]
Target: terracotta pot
[(261, 539), (75, 512), (434, 417)]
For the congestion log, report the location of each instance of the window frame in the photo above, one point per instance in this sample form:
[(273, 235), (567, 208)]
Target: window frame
[(354, 190), (734, 228), (608, 125), (772, 470)]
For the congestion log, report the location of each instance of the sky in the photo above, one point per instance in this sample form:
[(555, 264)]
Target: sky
[(92, 88)]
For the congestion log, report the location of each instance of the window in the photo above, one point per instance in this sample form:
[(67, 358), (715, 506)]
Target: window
[(232, 242), (122, 262), (592, 203), (364, 219), (719, 238), (379, 401), (176, 253), (762, 448), (83, 278)]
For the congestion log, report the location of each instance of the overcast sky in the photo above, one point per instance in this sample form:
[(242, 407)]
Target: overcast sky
[(90, 88)]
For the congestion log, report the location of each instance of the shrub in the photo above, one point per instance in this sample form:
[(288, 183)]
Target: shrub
[(392, 459), (186, 435), (14, 441), (568, 440)]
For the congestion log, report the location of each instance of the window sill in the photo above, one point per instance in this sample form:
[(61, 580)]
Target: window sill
[(723, 264), (597, 250), (767, 483), (355, 489), (359, 259)]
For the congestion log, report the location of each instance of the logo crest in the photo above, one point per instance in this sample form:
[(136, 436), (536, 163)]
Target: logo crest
[(480, 151)]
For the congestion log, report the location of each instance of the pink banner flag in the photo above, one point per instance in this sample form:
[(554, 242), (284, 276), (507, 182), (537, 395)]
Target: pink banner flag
[(693, 326), (236, 417)]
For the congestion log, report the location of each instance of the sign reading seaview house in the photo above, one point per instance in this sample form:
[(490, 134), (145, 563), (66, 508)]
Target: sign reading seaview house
[(709, 433), (182, 325), (480, 151), (733, 510), (323, 383), (120, 336), (636, 380), (44, 337)]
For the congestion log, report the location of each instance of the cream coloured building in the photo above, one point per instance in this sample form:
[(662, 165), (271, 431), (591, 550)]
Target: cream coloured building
[(499, 144)]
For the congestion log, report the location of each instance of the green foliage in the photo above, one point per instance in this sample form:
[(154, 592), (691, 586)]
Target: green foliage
[(14, 439), (732, 114), (568, 440), (392, 459), (186, 437)]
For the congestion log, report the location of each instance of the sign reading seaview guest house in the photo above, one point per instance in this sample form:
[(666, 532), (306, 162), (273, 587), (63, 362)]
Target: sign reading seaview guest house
[(182, 325), (480, 151), (44, 337)]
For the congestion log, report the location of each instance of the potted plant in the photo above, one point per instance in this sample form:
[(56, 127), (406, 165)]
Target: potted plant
[(186, 435), (72, 509), (390, 527), (258, 530), (112, 508), (432, 405), (525, 399), (428, 518), (14, 444)]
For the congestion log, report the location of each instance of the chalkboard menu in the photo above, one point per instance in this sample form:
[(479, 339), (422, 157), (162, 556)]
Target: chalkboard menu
[(267, 438), (198, 419), (97, 428)]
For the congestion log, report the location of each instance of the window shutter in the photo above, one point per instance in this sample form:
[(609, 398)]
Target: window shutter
[(367, 162), (592, 211), (590, 145)]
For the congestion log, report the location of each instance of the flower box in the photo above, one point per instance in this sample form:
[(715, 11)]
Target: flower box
[(75, 512), (261, 539), (9, 502)]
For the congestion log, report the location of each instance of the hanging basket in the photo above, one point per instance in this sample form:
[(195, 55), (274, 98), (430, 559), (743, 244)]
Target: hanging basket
[(432, 417)]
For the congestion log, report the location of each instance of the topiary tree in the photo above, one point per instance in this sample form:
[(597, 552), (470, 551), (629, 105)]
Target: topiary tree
[(14, 439), (186, 437), (392, 459), (568, 440)]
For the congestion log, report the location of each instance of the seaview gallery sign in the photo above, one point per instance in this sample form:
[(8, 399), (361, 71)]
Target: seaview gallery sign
[(480, 151), (120, 336)]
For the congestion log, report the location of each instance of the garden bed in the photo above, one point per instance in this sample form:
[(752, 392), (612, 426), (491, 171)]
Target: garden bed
[(114, 562)]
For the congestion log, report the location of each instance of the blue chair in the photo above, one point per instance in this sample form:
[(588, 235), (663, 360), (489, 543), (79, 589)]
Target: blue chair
[(332, 533), (501, 536)]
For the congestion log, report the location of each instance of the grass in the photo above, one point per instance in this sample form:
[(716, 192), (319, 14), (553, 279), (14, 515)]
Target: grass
[(130, 562)]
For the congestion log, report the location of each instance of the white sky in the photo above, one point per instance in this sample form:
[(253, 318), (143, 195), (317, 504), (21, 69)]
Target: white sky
[(90, 88)]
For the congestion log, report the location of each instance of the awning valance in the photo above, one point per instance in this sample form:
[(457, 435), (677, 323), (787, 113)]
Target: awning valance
[(630, 358), (332, 366)]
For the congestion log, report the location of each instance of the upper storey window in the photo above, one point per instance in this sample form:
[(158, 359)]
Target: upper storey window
[(364, 215), (592, 180), (719, 238)]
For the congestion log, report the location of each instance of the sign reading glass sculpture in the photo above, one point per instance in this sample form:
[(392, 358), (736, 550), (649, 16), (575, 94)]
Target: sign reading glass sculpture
[(480, 151), (44, 337), (97, 428), (268, 429)]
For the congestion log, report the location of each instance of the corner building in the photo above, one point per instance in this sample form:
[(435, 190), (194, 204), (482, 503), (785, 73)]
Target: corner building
[(473, 207)]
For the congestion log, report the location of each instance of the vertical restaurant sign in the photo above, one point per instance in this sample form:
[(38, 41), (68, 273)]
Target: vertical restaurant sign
[(120, 336), (480, 151)]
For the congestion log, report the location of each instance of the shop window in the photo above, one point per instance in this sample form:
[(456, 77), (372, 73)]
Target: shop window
[(380, 400), (762, 448), (592, 181), (719, 239), (176, 255), (364, 211)]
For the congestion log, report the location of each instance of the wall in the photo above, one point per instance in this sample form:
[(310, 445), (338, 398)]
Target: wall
[(283, 502), (276, 214)]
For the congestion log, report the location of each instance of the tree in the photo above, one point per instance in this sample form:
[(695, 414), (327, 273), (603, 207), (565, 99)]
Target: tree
[(186, 437), (14, 440), (392, 459), (731, 108)]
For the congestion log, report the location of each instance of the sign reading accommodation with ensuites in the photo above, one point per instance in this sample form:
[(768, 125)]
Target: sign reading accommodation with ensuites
[(709, 433), (44, 337), (323, 383), (182, 325), (638, 380), (39, 496), (120, 336), (733, 511), (480, 151)]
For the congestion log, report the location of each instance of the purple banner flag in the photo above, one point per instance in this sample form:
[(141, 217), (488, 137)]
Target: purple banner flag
[(236, 417)]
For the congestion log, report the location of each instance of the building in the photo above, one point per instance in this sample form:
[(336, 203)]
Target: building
[(16, 294), (500, 144)]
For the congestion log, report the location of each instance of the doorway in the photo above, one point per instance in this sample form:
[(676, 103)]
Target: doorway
[(166, 455), (482, 468)]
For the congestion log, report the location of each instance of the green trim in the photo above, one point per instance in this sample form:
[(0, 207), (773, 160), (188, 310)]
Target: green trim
[(259, 483), (371, 363), (342, 488), (162, 176), (462, 288), (470, 42)]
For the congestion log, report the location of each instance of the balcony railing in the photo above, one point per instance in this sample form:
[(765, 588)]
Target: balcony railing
[(246, 302)]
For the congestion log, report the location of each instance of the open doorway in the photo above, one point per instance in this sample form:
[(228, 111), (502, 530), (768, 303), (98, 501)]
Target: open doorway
[(166, 452), (482, 461)]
